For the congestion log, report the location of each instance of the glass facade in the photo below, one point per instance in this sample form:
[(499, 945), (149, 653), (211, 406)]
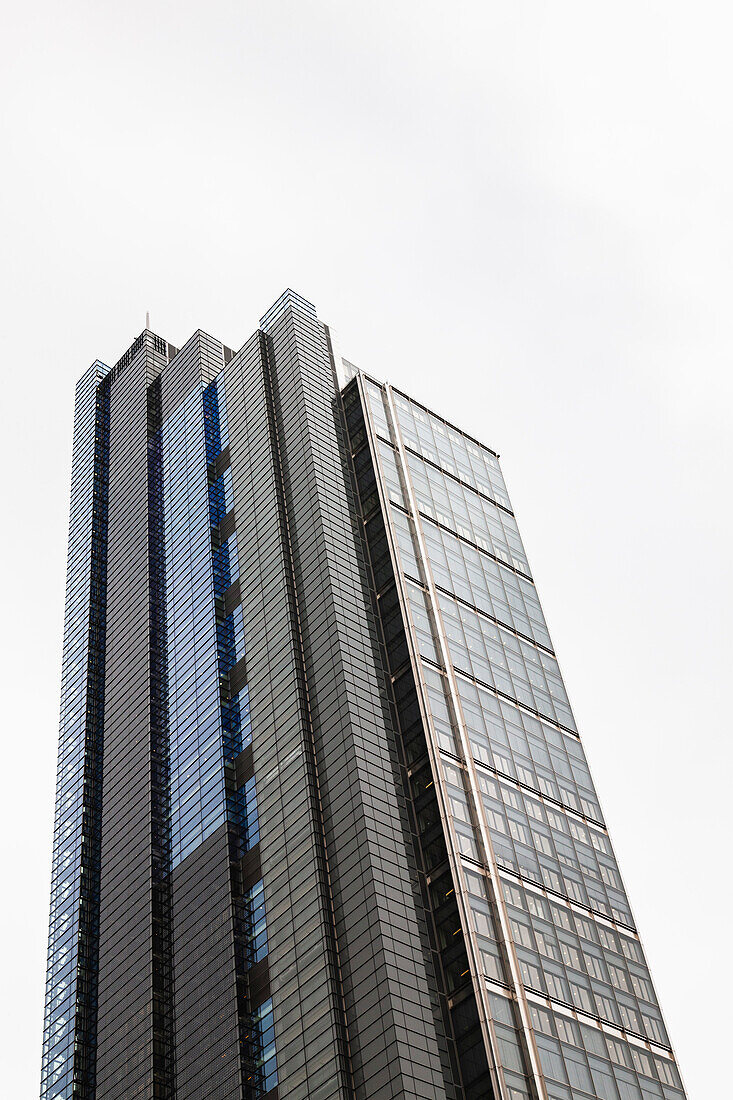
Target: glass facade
[(517, 789), (198, 797), (70, 1026), (324, 824), (209, 725), (180, 553)]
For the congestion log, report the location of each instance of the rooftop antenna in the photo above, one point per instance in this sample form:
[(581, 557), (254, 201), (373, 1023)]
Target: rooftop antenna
[(147, 318)]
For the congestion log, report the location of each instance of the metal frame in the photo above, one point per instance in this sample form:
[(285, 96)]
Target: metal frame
[(484, 1009), (470, 768)]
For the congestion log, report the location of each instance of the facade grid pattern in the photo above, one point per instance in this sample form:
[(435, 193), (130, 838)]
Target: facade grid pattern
[(325, 829), (555, 862)]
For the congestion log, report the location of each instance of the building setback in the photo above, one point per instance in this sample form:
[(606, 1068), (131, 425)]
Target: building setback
[(324, 825)]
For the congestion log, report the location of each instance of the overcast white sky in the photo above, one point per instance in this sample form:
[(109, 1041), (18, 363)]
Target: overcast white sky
[(518, 212)]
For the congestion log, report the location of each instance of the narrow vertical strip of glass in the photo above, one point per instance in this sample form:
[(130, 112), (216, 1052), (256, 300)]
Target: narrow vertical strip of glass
[(69, 1042), (190, 438), (162, 931)]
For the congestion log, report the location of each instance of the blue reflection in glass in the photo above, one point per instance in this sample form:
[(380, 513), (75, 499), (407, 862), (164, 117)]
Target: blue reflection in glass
[(198, 800), (265, 1030), (66, 983), (255, 901)]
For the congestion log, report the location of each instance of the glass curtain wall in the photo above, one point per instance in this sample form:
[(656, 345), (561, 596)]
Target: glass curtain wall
[(518, 786), (69, 1041)]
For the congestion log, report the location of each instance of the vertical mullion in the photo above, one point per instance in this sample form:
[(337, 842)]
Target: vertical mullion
[(474, 792)]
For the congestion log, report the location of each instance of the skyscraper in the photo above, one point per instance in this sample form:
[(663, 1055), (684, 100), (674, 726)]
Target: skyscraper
[(324, 824)]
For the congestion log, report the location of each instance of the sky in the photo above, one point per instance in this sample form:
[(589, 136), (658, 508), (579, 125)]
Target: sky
[(518, 213)]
